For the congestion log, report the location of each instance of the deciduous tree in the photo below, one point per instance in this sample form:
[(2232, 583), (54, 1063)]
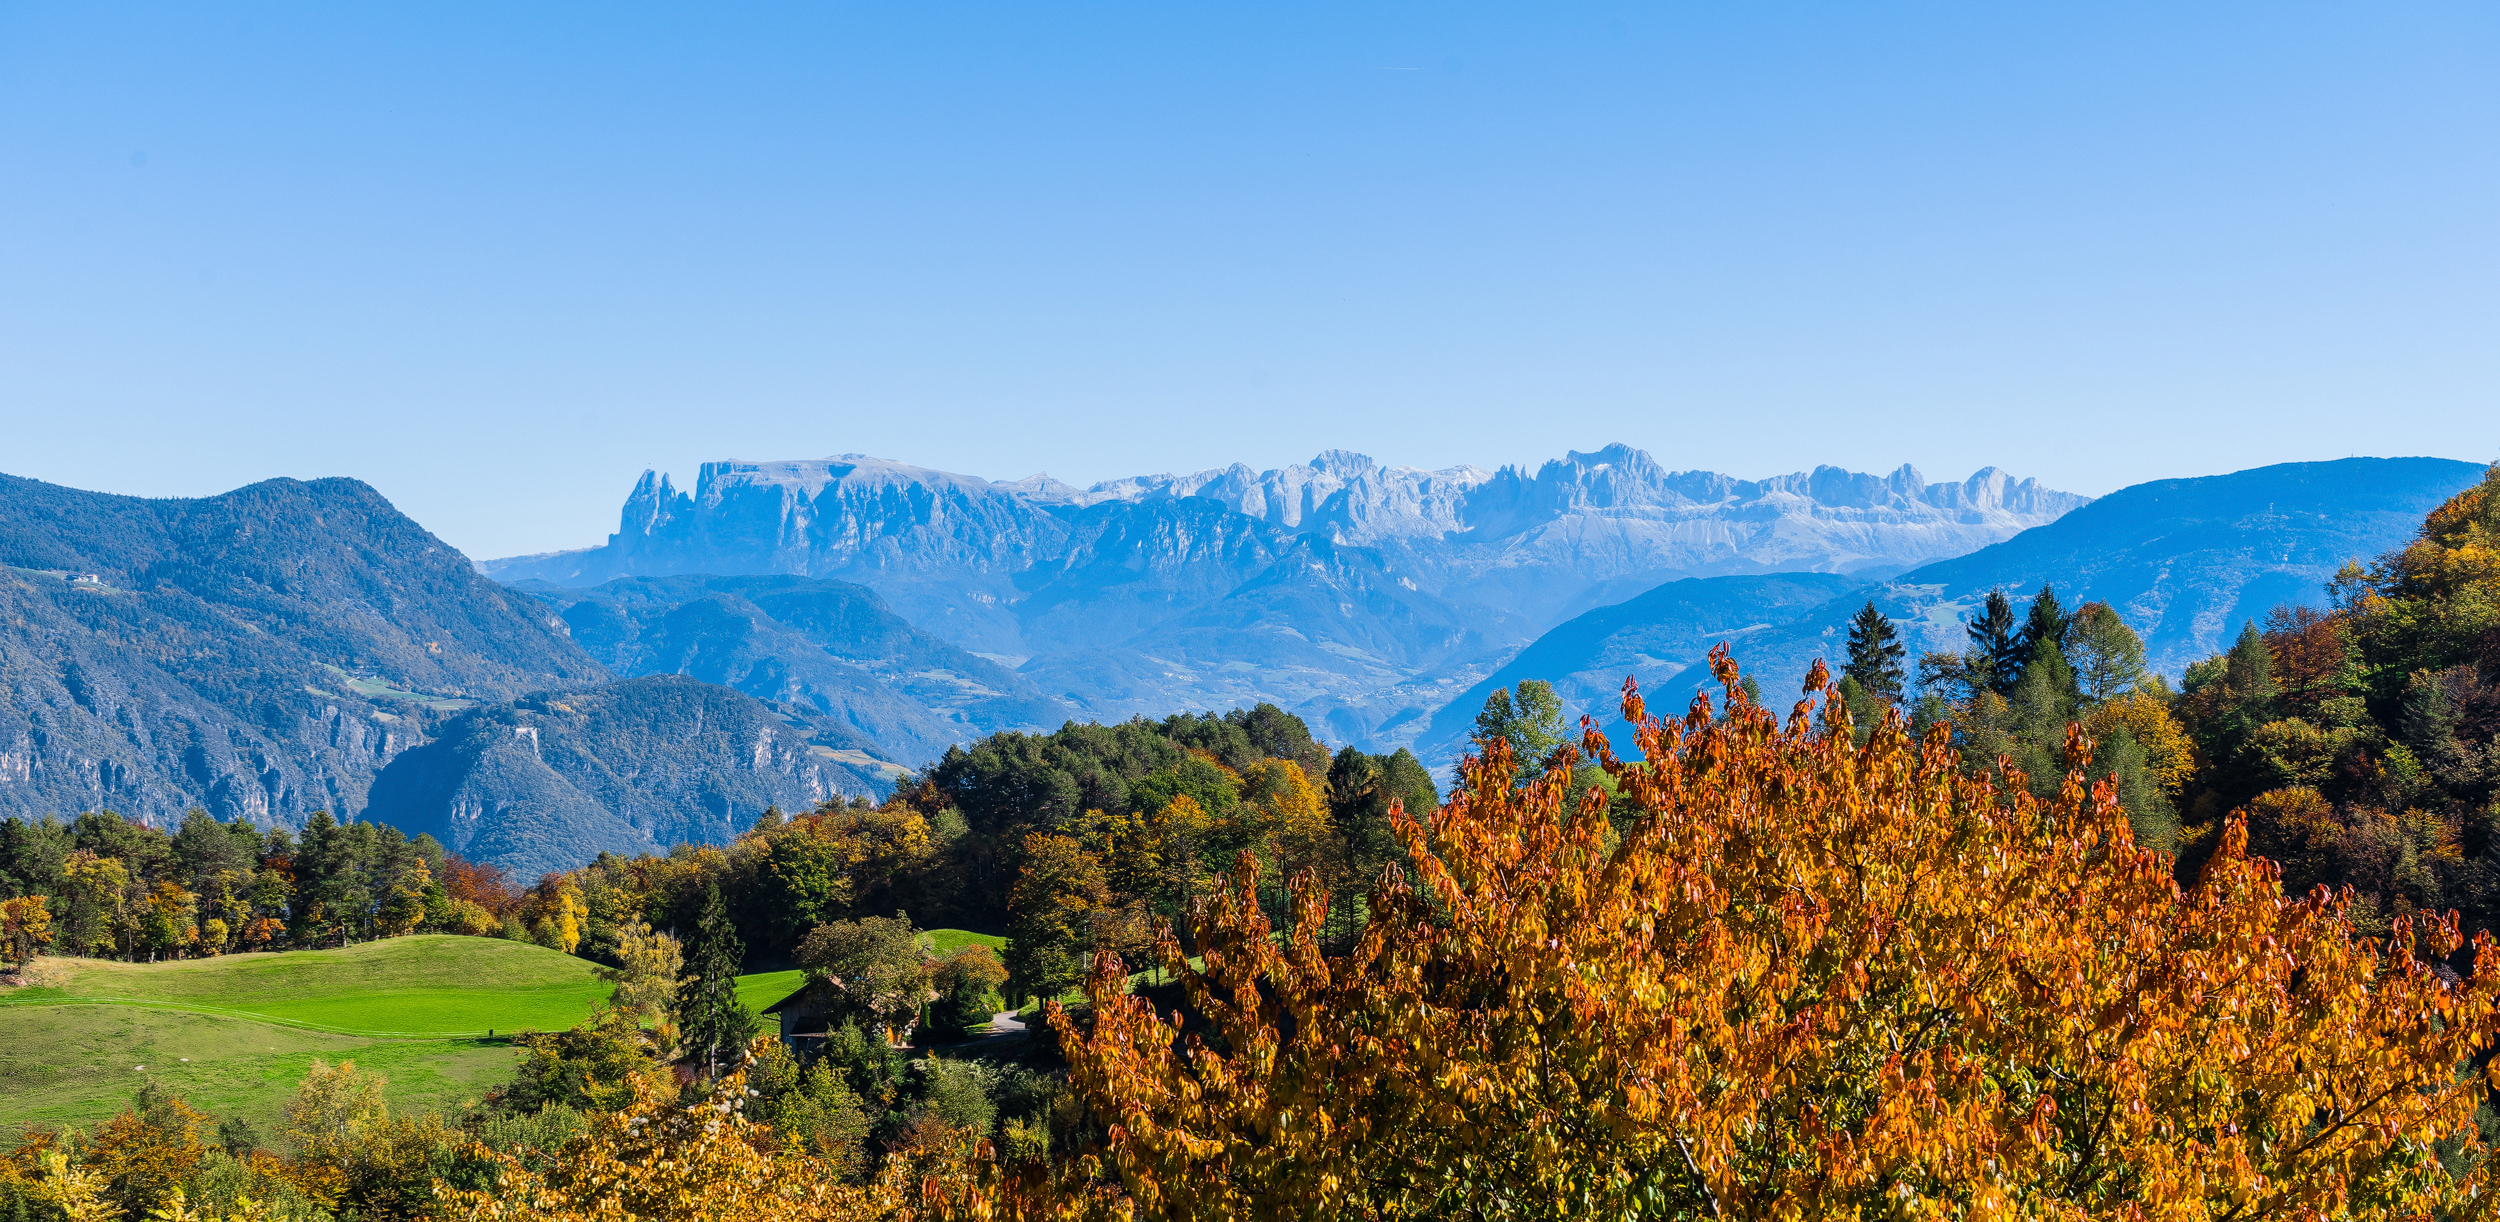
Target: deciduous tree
[(25, 927), (877, 964), (1813, 978), (1529, 718), (2107, 656), (1048, 915), (648, 967)]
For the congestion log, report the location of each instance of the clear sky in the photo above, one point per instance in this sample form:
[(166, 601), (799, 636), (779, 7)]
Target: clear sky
[(498, 259)]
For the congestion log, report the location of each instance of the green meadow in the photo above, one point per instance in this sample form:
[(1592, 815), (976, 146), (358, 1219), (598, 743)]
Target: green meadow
[(431, 986), (234, 1034), (78, 1063)]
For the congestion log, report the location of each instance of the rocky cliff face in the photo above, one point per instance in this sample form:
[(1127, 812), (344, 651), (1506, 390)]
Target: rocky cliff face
[(1347, 590), (976, 560)]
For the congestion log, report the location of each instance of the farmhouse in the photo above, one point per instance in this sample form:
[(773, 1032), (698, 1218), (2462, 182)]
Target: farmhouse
[(811, 1013)]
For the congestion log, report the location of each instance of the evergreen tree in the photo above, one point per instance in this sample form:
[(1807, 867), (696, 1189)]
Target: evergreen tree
[(1875, 653), (2048, 622), (2249, 668), (710, 1019), (1995, 660), (2149, 812), (1865, 710)]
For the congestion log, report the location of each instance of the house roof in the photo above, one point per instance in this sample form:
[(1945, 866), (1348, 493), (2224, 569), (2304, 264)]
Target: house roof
[(794, 998)]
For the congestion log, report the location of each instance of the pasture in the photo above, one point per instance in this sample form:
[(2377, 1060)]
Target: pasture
[(235, 1033)]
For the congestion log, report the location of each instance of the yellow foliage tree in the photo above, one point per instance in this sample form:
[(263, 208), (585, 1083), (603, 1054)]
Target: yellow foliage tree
[(92, 897), (646, 977), (2168, 755), (145, 1154), (1291, 817), (662, 1161), (25, 927), (1810, 979), (553, 913)]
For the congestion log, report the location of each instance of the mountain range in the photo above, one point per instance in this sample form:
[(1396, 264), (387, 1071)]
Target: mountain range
[(793, 632), (1361, 596)]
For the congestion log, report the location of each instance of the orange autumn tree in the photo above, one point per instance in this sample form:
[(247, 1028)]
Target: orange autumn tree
[(1805, 978)]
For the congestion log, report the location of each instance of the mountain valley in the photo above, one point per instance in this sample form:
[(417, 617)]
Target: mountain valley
[(798, 631)]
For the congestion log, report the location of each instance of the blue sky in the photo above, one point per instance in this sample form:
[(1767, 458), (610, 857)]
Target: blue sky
[(496, 260)]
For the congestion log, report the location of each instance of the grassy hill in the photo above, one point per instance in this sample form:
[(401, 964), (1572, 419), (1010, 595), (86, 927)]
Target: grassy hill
[(233, 1035), (78, 1063), (427, 987)]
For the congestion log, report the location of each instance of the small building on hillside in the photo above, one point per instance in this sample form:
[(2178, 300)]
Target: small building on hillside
[(808, 1014)]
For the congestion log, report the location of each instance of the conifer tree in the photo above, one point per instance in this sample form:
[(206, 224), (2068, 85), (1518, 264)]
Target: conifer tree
[(1995, 660), (1875, 653), (711, 1020), (2048, 622), (2107, 655)]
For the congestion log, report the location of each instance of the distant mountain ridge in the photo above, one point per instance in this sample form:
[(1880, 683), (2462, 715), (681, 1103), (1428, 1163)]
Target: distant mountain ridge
[(2186, 562), (819, 517), (260, 654), (1172, 591), (550, 781), (295, 646)]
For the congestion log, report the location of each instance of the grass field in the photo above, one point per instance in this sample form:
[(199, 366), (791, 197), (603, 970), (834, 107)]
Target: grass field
[(234, 1034), (948, 941), (764, 988), (430, 986), (80, 1063)]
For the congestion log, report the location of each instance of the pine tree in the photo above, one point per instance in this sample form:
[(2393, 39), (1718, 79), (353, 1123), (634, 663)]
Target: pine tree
[(1995, 660), (713, 1023), (1875, 653), (2048, 622)]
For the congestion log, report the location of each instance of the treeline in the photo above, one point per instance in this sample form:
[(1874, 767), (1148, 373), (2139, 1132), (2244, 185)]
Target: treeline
[(1092, 832), (1064, 841), (2362, 741), (100, 885)]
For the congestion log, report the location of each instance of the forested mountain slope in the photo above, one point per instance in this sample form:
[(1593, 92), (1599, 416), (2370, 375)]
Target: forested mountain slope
[(1657, 634), (262, 653), (2186, 562), (832, 646), (550, 781)]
